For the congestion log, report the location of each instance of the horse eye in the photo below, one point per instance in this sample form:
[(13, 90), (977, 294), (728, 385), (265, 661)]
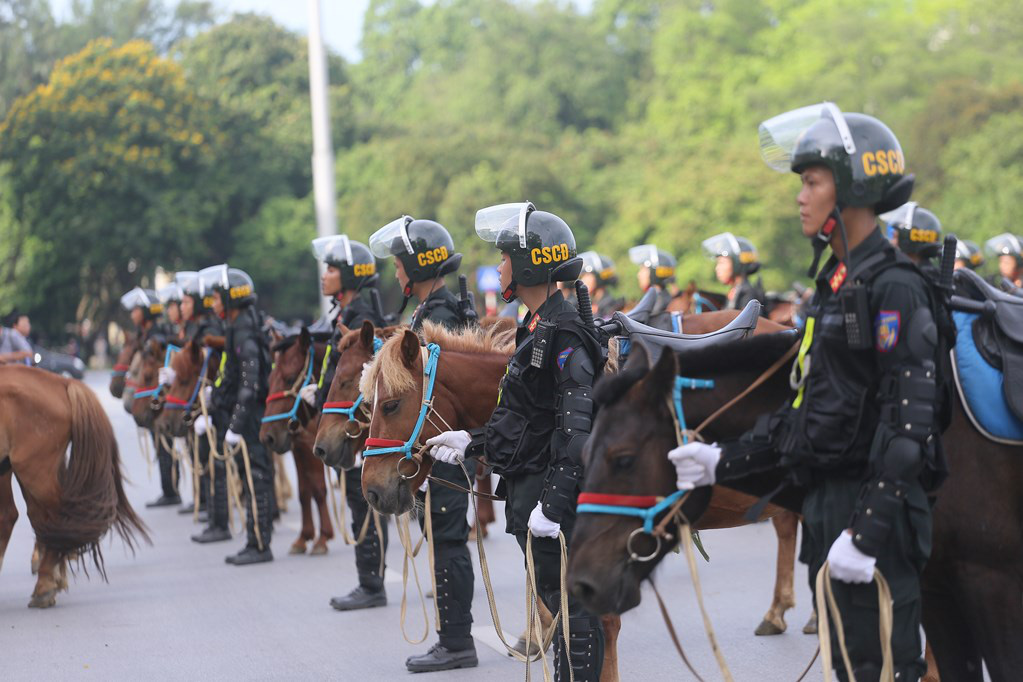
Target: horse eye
[(391, 406), (623, 463)]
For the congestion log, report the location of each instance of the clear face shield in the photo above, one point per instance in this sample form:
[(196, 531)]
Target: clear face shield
[(644, 256), (902, 217), (172, 293), (137, 298), (188, 280), (724, 244), (212, 278), (591, 262), (390, 240), (503, 223), (1005, 244), (780, 134), (334, 249)]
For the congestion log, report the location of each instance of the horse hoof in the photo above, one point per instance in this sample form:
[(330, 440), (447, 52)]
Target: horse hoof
[(44, 600), (297, 547), (320, 548), (767, 628), (811, 626)]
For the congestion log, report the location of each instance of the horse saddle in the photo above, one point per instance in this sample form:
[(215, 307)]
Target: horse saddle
[(989, 358), (658, 339), (641, 311)]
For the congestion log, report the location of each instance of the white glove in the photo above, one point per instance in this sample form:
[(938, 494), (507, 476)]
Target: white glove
[(167, 376), (449, 447), (308, 394), (232, 438), (200, 424), (694, 464), (425, 484), (848, 563), (540, 525)]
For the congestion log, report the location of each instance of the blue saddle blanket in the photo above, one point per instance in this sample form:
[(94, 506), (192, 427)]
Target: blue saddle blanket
[(981, 386)]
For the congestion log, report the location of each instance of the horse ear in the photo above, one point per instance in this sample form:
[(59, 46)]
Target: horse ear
[(660, 380), (409, 348), (196, 351), (366, 334), (304, 339)]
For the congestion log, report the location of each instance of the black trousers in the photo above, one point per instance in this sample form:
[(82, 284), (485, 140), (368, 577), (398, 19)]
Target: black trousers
[(452, 562), (168, 466), (827, 509), (367, 554)]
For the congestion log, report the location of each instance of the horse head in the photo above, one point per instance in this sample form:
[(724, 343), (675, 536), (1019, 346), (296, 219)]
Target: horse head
[(345, 418), (122, 364), (182, 396), (286, 413), (146, 402)]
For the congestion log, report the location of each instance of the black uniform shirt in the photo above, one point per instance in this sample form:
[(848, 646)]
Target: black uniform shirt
[(440, 307)]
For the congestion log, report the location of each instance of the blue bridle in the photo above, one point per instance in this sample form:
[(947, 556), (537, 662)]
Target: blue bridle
[(702, 302), (350, 411), (171, 403), (149, 392), (290, 414), (430, 373)]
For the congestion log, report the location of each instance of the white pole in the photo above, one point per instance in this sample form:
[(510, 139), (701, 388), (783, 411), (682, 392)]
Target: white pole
[(323, 152)]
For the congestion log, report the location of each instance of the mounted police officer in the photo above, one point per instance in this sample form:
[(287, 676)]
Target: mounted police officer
[(600, 276), (170, 296), (238, 399), (145, 309), (350, 275), (735, 261), (862, 434), (1008, 249), (968, 255), (916, 232), (657, 271), (536, 435), (423, 253)]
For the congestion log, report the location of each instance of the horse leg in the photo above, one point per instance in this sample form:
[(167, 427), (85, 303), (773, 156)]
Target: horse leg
[(993, 602), (306, 505), (8, 513), (932, 666), (948, 634), (318, 481), (49, 581), (484, 506), (282, 484), (786, 525), (612, 626)]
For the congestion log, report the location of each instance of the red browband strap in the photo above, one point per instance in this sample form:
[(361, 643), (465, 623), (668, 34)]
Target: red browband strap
[(275, 396), (342, 404), (174, 400), (640, 501), (121, 368), (383, 443)]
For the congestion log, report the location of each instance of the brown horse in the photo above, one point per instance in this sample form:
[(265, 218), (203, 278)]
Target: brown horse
[(122, 364), (289, 423), (972, 586), (72, 501), (180, 399), (145, 395)]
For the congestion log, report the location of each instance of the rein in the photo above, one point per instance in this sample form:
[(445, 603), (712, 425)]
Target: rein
[(300, 382), (175, 403), (150, 391)]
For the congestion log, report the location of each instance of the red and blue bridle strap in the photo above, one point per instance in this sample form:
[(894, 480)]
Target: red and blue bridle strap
[(347, 407), (384, 446), (644, 507), (290, 414), (174, 403)]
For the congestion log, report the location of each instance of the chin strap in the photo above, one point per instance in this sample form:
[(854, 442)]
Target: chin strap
[(508, 295), (821, 240)]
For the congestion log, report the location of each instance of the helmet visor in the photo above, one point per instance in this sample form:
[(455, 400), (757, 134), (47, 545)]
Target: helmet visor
[(779, 135), (724, 244), (333, 249), (902, 216), (1004, 244), (188, 280), (391, 239), (170, 293), (503, 223), (211, 278), (591, 262), (137, 298), (645, 255)]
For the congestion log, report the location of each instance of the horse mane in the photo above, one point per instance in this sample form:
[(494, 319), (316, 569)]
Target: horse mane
[(388, 366), (755, 354), (285, 343)]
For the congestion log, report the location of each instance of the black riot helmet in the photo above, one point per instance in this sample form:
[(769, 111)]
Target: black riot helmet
[(540, 245), (601, 267), (660, 263), (424, 247), (235, 286), (145, 299), (739, 250), (1006, 244), (917, 230), (188, 280), (354, 259), (969, 253), (862, 153)]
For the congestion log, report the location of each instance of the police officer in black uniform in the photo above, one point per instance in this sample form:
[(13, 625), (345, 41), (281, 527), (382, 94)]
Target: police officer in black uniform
[(170, 296), (423, 253), (198, 322), (1008, 249), (968, 255), (735, 261), (145, 308), (657, 270), (862, 433), (535, 437), (241, 396), (350, 275), (916, 232), (600, 276)]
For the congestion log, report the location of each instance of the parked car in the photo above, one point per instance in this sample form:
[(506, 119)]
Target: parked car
[(58, 363)]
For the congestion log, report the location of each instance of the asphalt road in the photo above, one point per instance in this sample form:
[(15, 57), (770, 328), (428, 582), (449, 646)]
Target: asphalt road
[(176, 611)]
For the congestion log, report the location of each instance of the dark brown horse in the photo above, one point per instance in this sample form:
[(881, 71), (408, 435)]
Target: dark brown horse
[(181, 399), (973, 584), (145, 394), (289, 423), (123, 364), (72, 501)]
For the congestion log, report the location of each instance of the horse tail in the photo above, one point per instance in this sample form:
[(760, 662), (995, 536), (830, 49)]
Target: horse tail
[(92, 498)]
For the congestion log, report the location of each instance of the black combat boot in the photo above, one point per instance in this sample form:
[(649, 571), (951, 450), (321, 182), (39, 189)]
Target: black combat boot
[(257, 547), (217, 530)]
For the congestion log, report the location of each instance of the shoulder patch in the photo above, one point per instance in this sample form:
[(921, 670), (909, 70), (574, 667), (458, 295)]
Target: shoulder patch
[(563, 357), (887, 329)]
